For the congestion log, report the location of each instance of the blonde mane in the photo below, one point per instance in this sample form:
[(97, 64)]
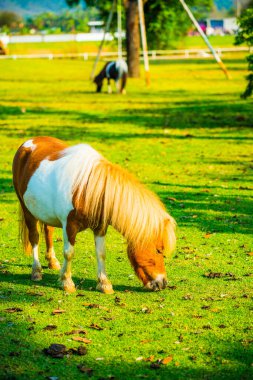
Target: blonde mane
[(108, 195)]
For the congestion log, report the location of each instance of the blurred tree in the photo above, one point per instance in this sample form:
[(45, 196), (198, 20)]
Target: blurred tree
[(9, 20), (245, 35), (165, 21), (66, 22)]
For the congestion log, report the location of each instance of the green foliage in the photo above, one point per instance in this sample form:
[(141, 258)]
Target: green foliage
[(189, 139), (74, 21), (9, 20), (166, 21), (245, 35)]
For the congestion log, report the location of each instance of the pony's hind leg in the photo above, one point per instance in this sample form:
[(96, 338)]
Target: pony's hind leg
[(33, 235), (104, 285), (53, 263)]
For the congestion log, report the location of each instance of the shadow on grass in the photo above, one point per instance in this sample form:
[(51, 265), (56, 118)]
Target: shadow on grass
[(51, 280), (207, 210), (184, 115), (23, 359)]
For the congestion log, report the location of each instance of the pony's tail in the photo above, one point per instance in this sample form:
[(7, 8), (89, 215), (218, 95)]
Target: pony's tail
[(123, 82), (24, 233)]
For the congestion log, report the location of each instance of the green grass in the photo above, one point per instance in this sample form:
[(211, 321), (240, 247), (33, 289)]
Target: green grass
[(58, 47), (189, 139), (216, 41), (194, 42)]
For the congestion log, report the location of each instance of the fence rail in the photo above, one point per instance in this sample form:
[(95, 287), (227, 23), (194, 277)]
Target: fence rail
[(153, 54)]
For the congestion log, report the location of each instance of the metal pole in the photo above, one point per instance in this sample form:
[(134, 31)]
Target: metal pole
[(144, 42), (107, 27), (119, 29), (216, 56)]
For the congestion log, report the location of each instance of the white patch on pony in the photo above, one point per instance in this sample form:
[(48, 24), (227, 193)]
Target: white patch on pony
[(109, 89), (50, 189), (29, 144), (160, 278), (36, 261), (36, 267), (121, 66), (158, 283), (100, 252)]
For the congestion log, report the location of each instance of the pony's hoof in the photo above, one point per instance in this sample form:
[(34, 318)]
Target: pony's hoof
[(36, 276), (105, 288), (54, 264), (69, 286), (69, 289)]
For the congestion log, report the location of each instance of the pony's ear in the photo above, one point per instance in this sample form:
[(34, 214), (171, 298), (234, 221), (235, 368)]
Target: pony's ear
[(169, 236)]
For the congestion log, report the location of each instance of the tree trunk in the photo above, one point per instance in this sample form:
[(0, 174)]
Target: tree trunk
[(132, 38)]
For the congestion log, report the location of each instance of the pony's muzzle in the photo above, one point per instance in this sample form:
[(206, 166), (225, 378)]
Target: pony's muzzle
[(158, 284)]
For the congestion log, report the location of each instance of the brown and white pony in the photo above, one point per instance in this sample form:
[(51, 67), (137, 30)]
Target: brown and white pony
[(76, 188), (116, 70)]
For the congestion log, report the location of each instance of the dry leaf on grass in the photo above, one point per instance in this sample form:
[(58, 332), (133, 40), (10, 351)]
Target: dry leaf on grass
[(35, 294), (94, 306), (78, 331), (58, 311), (56, 350), (13, 310), (82, 368), (167, 360), (150, 358), (50, 327), (96, 327), (213, 275), (80, 339)]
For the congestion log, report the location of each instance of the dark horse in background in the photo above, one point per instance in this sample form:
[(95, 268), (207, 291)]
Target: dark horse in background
[(116, 70)]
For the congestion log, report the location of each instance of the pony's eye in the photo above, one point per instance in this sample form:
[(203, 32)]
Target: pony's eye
[(159, 251)]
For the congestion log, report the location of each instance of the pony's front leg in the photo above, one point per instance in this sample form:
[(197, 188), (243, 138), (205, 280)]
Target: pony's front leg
[(104, 285), (117, 84), (65, 276), (53, 263), (109, 88)]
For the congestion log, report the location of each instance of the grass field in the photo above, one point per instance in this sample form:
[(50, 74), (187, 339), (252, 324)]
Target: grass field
[(189, 139), (194, 42)]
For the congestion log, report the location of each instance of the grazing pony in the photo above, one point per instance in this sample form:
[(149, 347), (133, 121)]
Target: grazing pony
[(76, 188), (113, 70)]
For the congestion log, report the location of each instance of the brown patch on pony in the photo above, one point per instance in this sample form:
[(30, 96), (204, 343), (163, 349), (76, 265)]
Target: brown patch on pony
[(25, 163), (27, 160), (123, 83), (148, 263)]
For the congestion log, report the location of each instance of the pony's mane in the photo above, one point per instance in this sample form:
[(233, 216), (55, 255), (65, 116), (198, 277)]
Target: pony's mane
[(107, 194)]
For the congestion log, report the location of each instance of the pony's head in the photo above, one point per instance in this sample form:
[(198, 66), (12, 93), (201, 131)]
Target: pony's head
[(148, 259), (98, 80)]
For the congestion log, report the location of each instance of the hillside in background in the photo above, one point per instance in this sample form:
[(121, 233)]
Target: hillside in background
[(29, 7), (224, 4)]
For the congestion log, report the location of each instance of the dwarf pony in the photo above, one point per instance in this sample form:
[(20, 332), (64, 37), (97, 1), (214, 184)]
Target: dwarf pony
[(113, 70), (76, 188)]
